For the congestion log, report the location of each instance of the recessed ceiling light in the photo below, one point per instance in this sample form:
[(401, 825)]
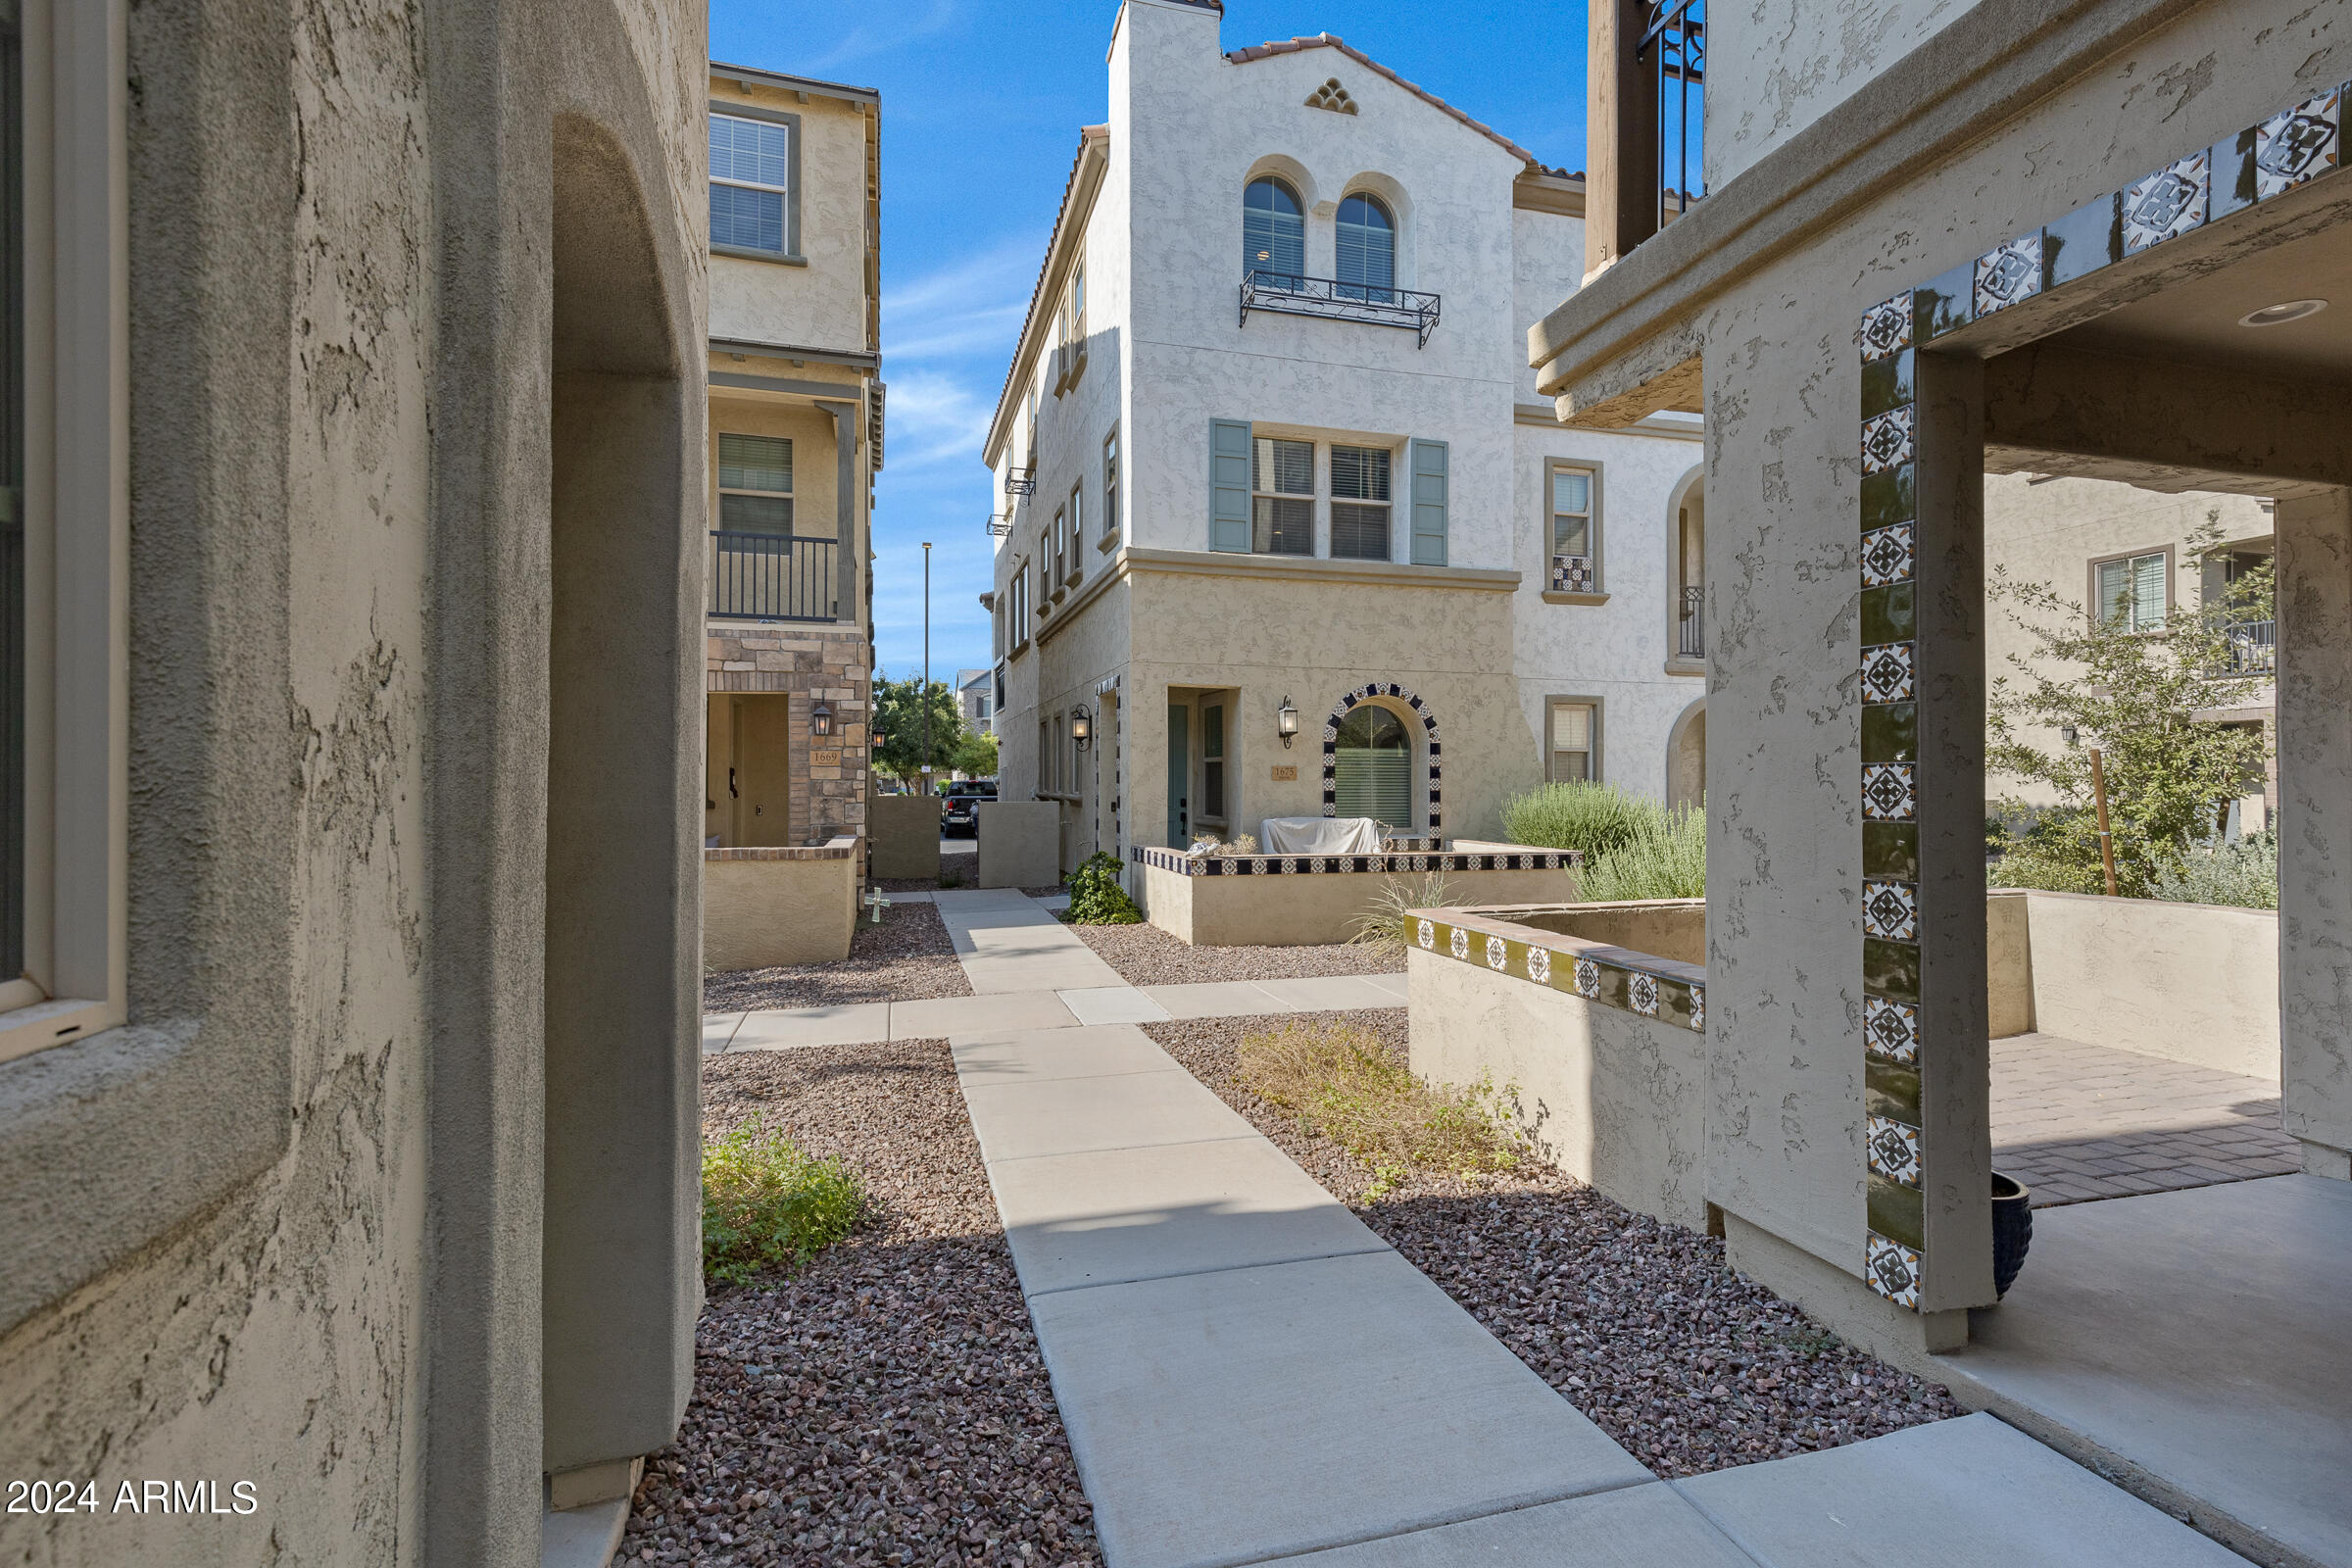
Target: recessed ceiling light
[(2281, 314)]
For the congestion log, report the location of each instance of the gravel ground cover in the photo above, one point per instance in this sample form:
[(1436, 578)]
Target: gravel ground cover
[(908, 957), (1147, 956), (1641, 1324), (888, 1405)]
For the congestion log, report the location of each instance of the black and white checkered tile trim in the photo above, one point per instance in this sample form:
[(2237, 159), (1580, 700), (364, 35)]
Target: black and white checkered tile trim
[(1184, 864), (1330, 742)]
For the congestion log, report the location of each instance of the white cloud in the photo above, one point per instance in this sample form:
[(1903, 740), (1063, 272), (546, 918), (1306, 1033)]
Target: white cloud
[(861, 42)]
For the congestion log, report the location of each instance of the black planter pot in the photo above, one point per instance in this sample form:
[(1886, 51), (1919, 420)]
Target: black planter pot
[(2012, 1230)]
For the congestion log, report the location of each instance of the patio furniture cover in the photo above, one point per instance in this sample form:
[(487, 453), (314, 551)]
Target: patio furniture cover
[(1319, 835)]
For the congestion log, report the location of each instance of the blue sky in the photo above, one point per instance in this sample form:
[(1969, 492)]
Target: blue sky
[(981, 105)]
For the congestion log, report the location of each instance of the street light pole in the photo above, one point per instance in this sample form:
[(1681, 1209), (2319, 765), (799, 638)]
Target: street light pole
[(926, 773)]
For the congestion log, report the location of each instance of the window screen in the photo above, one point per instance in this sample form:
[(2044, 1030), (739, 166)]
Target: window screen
[(1359, 503), (1572, 741), (2132, 592), (751, 175), (1283, 508)]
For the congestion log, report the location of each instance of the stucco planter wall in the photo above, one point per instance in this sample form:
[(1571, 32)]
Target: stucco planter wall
[(905, 830), (775, 907), (1280, 901), (1020, 843)]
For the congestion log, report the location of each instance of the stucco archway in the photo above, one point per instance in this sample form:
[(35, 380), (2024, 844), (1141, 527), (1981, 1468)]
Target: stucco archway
[(1687, 757), (1432, 753)]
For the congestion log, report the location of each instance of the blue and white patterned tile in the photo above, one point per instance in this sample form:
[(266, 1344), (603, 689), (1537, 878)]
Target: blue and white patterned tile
[(2008, 273), (1892, 1270), (1892, 1028), (1893, 1150), (1887, 673), (1887, 327), (2167, 203), (1887, 440), (1890, 910), (1886, 556), (1889, 792), (2298, 144)]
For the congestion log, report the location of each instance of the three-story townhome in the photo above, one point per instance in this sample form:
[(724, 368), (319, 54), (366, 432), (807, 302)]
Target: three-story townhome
[(1284, 526)]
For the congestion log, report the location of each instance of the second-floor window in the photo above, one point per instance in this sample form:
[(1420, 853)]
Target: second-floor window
[(755, 484), (1273, 229), (751, 184), (2133, 591), (1574, 540), (1077, 562), (1057, 555), (1359, 503), (1282, 502), (1111, 485), (1368, 248)]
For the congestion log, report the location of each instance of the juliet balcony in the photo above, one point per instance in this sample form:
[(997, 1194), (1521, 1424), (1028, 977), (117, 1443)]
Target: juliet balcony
[(1374, 304)]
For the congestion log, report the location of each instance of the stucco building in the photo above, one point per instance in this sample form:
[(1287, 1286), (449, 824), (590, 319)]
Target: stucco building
[(796, 440), (1268, 441), (348, 1121), (2104, 239)]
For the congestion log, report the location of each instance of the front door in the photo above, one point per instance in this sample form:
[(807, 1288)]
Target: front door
[(1179, 773)]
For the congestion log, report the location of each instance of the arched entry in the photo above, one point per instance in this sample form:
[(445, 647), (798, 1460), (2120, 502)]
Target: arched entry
[(1369, 740), (1373, 768), (1687, 757)]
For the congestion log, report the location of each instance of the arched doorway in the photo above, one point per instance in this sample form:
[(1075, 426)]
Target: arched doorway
[(1687, 757), (1372, 771)]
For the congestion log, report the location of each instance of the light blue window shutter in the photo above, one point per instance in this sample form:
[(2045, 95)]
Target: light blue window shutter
[(1429, 503), (1229, 484)]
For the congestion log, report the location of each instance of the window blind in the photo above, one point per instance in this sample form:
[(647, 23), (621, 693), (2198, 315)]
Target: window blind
[(1571, 511), (1359, 495), (1282, 509)]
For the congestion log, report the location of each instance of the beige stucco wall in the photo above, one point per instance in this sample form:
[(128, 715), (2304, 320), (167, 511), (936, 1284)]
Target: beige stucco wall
[(1020, 843), (905, 835), (2008, 966), (766, 911), (815, 474), (2193, 982), (1669, 928), (1610, 1096), (822, 304), (1311, 907)]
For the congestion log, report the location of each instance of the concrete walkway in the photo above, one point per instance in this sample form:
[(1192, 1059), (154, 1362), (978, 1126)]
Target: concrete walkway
[(1247, 1374), (1030, 971)]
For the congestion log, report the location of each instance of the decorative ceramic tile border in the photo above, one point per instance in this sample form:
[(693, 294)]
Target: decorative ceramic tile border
[(1572, 575), (1614, 977), (840, 848), (2296, 145), (1330, 742), (1184, 864)]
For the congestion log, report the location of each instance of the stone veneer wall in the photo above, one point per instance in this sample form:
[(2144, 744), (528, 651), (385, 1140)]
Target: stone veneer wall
[(809, 661)]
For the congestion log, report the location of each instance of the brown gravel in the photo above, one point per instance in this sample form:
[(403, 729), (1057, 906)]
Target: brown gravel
[(908, 957), (887, 1404), (1147, 956), (1641, 1324)]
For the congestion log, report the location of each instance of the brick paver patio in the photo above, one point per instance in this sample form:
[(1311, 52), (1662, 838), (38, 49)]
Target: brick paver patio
[(2077, 1122)]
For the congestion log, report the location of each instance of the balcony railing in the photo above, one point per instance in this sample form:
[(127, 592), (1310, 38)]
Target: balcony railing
[(773, 576), (2250, 648), (1674, 48), (1291, 294), (1021, 481), (1691, 641)]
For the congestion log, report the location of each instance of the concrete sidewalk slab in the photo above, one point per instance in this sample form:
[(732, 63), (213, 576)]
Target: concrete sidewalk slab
[(993, 973), (1214, 998), (718, 1028), (1113, 1005), (855, 1024), (1394, 985), (1249, 1413), (1115, 1216), (1338, 992), (1073, 1116), (1965, 1493), (954, 1015), (1636, 1527), (1037, 1055)]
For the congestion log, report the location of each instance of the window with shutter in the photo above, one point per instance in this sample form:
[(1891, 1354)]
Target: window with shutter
[(1359, 503), (1281, 483), (1429, 501), (1229, 484)]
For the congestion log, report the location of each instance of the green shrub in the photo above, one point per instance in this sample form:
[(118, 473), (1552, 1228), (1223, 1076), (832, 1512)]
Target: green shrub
[(766, 1205), (1339, 1080), (1594, 819), (1385, 924), (1096, 895), (2244, 873), (1664, 859)]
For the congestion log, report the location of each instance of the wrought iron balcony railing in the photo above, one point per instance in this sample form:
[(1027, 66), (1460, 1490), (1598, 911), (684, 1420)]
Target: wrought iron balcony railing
[(1021, 481), (1291, 294), (773, 576), (998, 525), (1674, 47), (1691, 642), (2251, 649)]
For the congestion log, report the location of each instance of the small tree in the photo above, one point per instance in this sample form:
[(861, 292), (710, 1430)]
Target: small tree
[(2135, 695), (899, 714), (976, 758)]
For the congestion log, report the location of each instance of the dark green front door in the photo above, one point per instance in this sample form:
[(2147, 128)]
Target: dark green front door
[(1179, 773)]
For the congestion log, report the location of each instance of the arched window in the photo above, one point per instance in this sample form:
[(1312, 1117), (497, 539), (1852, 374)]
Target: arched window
[(1273, 229), (1367, 254), (1372, 771)]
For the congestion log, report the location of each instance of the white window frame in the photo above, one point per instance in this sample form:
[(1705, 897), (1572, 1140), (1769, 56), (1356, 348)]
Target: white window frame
[(1311, 495), (1076, 562), (1592, 736), (1555, 560), (1110, 488), (789, 255), (2103, 613), (1334, 500), (77, 507), (718, 466)]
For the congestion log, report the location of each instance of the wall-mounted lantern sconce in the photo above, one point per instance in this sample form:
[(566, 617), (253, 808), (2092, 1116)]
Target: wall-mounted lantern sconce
[(1286, 719), (1082, 727), (820, 718), (2071, 735)]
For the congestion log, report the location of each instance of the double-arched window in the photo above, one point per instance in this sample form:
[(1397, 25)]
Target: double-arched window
[(1367, 248), (1273, 229)]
